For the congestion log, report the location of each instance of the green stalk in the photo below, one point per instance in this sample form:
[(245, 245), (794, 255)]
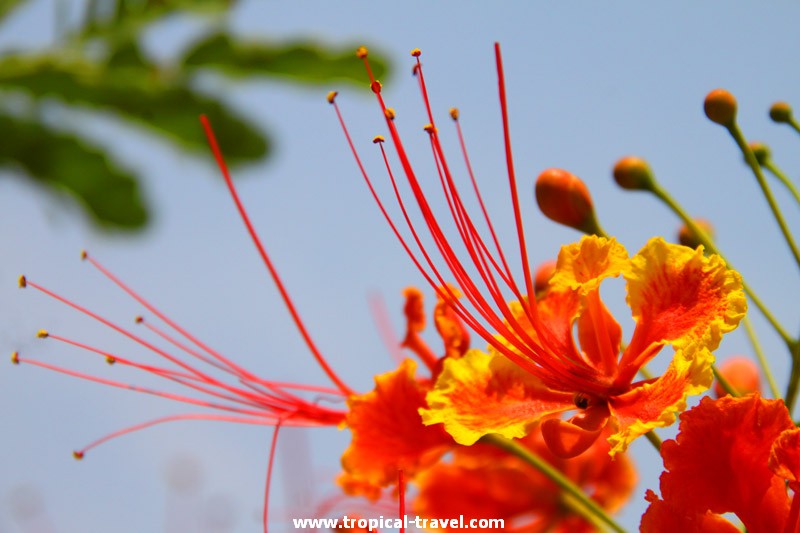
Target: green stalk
[(654, 439), (762, 359), (778, 173), (752, 162), (587, 507)]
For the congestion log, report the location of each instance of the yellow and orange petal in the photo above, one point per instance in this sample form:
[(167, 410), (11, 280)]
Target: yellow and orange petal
[(656, 403), (450, 328), (480, 394), (679, 296), (582, 266), (719, 462), (388, 433)]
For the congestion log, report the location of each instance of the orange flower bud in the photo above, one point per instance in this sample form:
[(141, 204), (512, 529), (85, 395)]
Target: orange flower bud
[(564, 198), (720, 107), (687, 237), (542, 276), (761, 151), (741, 373), (780, 112), (633, 173)]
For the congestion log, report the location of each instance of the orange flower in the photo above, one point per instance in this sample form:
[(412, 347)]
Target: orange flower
[(483, 482), (732, 455), (678, 297)]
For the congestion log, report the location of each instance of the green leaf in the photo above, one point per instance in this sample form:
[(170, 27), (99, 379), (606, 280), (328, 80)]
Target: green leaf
[(7, 6), (136, 94), (66, 163), (304, 61)]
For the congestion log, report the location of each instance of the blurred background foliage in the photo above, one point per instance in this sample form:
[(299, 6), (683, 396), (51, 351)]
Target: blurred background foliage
[(98, 64)]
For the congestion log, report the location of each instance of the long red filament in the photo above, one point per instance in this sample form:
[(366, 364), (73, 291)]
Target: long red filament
[(270, 464), (223, 167)]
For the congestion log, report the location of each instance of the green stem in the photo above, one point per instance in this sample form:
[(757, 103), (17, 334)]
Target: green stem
[(778, 173), (794, 124), (587, 506), (794, 378), (752, 162), (726, 385), (665, 197), (762, 359), (654, 439)]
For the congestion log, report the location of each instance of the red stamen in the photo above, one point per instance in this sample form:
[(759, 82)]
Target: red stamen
[(212, 141), (270, 464)]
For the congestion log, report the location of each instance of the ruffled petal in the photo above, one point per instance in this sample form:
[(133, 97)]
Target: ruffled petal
[(388, 433), (480, 394), (661, 516), (583, 265), (719, 462), (784, 458), (679, 296), (655, 403)]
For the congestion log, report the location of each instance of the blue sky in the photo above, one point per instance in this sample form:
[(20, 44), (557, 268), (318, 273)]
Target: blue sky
[(587, 84)]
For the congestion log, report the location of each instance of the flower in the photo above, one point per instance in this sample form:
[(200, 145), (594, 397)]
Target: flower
[(732, 455), (483, 482), (534, 367)]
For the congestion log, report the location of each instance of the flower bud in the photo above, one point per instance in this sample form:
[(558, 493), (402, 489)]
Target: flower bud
[(542, 276), (633, 173), (720, 107), (741, 373), (688, 238), (780, 112), (564, 198), (761, 151)]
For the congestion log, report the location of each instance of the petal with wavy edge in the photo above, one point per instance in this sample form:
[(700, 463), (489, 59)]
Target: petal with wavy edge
[(480, 394)]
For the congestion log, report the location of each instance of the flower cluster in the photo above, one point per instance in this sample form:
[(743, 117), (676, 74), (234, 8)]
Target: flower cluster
[(531, 423)]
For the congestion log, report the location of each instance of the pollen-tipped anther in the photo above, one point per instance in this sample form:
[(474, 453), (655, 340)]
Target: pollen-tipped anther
[(429, 128), (361, 52), (110, 359), (780, 112), (42, 334), (84, 255), (378, 139), (376, 87), (720, 107), (15, 358), (77, 455), (454, 113), (687, 237), (634, 174), (390, 114), (22, 282), (741, 374), (332, 96), (564, 198), (139, 319), (416, 52)]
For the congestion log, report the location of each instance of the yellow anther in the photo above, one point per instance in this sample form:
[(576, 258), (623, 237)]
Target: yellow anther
[(378, 139), (416, 52), (429, 128), (42, 334), (139, 319), (77, 455), (376, 87), (15, 358), (22, 282), (110, 360), (454, 113), (361, 52), (390, 114), (84, 255), (332, 96)]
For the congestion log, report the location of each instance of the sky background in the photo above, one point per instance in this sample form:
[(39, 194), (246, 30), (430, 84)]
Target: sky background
[(586, 85)]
